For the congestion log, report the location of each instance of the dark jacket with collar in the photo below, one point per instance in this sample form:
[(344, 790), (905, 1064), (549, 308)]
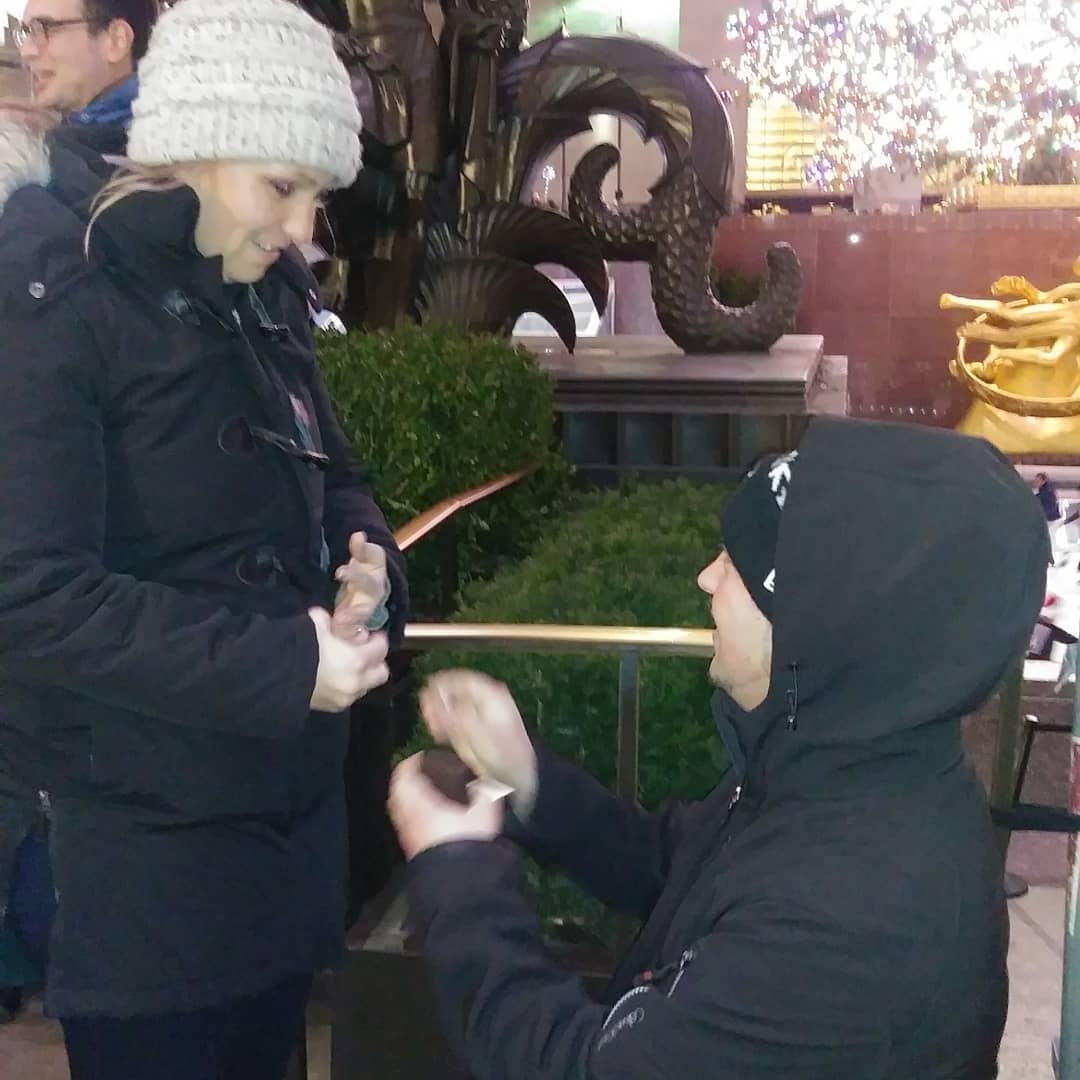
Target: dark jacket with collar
[(834, 908), (87, 138), (156, 567)]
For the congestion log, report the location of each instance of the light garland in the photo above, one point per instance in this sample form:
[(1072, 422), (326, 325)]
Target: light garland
[(903, 84)]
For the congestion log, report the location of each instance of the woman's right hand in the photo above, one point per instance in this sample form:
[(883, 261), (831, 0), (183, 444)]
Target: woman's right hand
[(477, 717), (347, 669)]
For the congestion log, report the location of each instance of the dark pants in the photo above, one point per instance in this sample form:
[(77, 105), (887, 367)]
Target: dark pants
[(249, 1039), (32, 903)]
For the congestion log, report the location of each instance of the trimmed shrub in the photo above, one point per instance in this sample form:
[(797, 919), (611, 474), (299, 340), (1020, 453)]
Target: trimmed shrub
[(433, 411), (622, 558)]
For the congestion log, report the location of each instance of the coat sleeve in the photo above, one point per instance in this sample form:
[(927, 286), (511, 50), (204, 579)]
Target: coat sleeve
[(618, 853), (65, 619), (351, 507), (770, 992)]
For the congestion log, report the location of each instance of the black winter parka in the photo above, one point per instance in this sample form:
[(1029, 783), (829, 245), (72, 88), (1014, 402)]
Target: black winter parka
[(157, 561), (834, 910)]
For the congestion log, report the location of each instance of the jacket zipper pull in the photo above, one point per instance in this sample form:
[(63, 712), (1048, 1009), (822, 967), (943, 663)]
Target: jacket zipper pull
[(735, 796)]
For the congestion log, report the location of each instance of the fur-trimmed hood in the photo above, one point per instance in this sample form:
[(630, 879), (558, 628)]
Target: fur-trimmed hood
[(48, 181), (24, 157)]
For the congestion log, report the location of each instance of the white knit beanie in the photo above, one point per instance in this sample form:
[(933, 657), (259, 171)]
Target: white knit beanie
[(245, 80)]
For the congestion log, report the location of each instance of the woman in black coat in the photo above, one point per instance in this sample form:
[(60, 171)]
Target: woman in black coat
[(178, 500)]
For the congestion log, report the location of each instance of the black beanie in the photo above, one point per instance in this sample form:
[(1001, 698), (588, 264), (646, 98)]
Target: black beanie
[(750, 525)]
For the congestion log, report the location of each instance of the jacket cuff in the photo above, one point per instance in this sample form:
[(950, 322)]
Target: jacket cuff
[(548, 817), (460, 875)]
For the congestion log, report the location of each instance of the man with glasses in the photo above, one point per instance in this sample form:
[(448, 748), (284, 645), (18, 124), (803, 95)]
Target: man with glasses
[(81, 55)]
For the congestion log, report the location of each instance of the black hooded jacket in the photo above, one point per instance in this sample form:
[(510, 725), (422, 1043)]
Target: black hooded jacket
[(834, 908), (157, 563)]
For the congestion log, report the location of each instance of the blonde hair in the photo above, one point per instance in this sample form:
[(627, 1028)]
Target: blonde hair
[(130, 179)]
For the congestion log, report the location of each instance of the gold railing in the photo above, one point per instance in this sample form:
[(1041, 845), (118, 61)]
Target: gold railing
[(628, 643)]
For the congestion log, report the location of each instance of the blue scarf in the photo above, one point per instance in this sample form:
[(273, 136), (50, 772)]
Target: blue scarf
[(112, 107)]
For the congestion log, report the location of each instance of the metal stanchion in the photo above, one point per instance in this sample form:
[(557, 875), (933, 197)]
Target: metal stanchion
[(1067, 1063), (1003, 779)]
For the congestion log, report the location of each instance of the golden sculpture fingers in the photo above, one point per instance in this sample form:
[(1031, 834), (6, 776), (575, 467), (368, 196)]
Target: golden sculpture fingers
[(1031, 364), (1065, 348), (1020, 335), (1012, 285)]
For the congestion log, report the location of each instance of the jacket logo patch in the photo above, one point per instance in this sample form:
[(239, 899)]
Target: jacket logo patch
[(630, 1020), (780, 476)]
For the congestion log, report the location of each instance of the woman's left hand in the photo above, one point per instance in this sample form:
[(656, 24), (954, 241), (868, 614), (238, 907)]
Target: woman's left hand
[(362, 589), (425, 818)]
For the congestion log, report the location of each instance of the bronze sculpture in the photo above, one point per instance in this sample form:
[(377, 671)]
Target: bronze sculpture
[(455, 129)]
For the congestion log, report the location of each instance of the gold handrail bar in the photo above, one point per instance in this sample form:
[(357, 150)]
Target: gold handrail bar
[(629, 643), (432, 518), (545, 637)]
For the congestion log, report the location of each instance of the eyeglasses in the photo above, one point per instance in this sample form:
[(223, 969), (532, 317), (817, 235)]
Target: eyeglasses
[(39, 30)]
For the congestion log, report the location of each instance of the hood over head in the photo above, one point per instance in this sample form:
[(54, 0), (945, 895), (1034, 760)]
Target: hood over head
[(910, 568)]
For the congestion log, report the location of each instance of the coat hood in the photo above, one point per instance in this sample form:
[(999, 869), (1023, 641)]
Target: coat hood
[(48, 182), (24, 158), (910, 569)]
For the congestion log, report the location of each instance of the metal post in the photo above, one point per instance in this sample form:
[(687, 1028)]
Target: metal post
[(626, 763), (449, 572), (1069, 1053), (1003, 778), (626, 767)]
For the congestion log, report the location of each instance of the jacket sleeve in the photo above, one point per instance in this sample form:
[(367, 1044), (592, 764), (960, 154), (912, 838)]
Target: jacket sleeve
[(65, 619), (351, 507), (768, 993), (618, 853)]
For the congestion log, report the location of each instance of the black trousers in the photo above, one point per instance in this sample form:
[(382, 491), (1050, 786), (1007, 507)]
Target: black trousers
[(251, 1038)]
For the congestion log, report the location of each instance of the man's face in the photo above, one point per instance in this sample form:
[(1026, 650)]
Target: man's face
[(742, 640), (76, 62)]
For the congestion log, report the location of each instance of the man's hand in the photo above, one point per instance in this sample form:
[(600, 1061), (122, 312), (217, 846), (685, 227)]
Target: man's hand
[(347, 669), (477, 717), (362, 586), (424, 818)]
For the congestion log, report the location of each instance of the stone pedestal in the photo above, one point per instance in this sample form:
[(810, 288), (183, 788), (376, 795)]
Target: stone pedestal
[(639, 405)]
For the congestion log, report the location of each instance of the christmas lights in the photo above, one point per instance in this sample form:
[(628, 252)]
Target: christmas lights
[(914, 84)]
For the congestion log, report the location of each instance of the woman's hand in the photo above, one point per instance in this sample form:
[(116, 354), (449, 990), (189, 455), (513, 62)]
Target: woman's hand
[(347, 669), (363, 586)]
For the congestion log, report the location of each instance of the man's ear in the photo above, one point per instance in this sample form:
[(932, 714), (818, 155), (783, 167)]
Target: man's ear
[(119, 41)]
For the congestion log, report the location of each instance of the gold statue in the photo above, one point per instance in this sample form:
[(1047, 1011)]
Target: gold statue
[(1027, 386)]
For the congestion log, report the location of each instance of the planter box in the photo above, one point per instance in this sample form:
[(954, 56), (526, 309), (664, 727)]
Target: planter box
[(384, 1018)]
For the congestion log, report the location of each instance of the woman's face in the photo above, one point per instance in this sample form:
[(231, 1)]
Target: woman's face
[(250, 212)]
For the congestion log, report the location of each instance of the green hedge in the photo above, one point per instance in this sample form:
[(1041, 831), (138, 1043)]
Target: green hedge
[(434, 411), (622, 558)]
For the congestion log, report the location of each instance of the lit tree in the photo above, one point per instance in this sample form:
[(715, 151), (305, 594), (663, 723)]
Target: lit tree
[(918, 83)]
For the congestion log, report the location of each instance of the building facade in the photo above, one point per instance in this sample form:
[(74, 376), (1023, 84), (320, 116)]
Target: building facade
[(13, 80)]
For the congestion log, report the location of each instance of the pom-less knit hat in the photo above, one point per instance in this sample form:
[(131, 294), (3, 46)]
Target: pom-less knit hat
[(751, 526), (245, 80)]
